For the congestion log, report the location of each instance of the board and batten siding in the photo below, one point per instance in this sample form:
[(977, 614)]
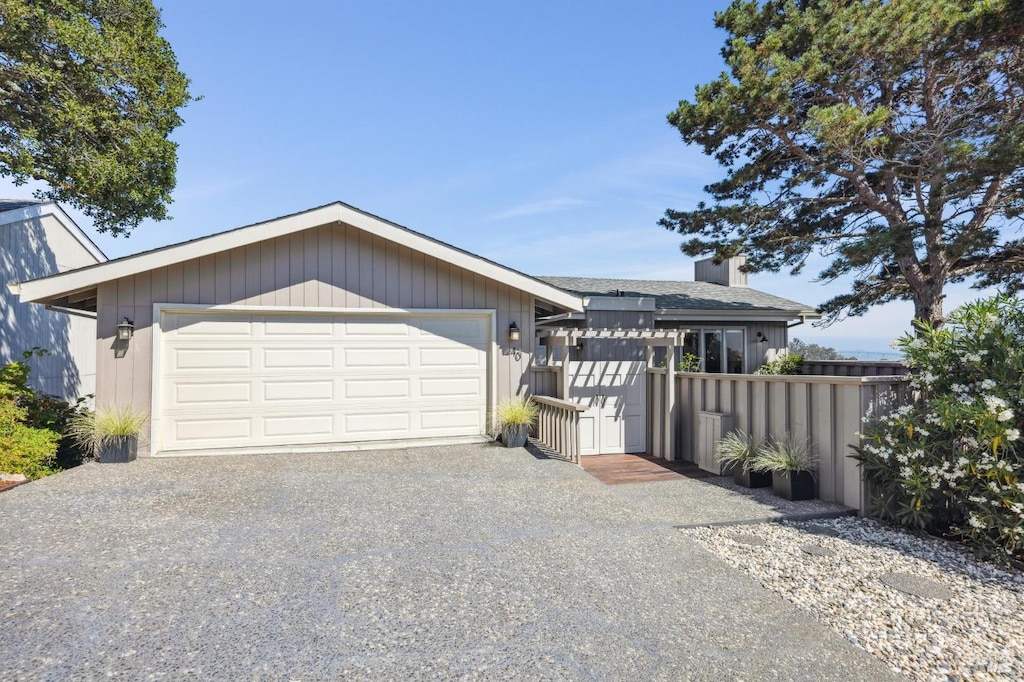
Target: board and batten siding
[(828, 413), (332, 266), (37, 247)]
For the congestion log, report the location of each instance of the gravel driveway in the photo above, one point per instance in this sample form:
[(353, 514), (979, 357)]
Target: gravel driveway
[(469, 561)]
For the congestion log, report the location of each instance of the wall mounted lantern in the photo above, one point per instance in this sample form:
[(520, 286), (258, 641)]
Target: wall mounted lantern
[(125, 330), (762, 338), (513, 332)]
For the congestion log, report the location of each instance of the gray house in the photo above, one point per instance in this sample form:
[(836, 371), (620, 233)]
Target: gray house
[(39, 239), (729, 327), (336, 329)]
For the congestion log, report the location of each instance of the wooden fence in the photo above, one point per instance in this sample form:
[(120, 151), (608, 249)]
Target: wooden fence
[(558, 426), (855, 368), (827, 411)]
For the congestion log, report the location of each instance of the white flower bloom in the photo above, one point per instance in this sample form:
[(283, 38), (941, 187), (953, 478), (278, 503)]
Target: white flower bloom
[(974, 521), (1012, 435), (1005, 416)]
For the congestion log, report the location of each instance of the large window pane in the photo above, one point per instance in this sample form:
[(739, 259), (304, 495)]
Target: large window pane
[(713, 350), (734, 348)]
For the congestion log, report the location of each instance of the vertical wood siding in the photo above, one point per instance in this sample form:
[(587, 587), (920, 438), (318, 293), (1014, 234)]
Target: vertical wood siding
[(330, 266), (826, 412), (36, 248)]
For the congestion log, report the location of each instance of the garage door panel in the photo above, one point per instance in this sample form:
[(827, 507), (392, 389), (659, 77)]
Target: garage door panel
[(299, 327), (188, 431), (452, 358), (448, 419), (380, 424), (377, 388), (469, 330), (278, 391), (365, 329), (192, 394), (370, 358), (202, 325), (452, 387), (304, 425), (212, 358), (298, 358), (300, 379)]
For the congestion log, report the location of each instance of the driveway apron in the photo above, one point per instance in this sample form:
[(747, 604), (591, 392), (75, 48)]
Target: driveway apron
[(457, 562)]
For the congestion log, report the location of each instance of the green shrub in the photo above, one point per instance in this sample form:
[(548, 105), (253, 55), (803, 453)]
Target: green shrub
[(790, 363), (952, 463), (42, 411), (25, 449)]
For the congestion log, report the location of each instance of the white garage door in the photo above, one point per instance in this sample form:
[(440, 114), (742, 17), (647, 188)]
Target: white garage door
[(235, 381)]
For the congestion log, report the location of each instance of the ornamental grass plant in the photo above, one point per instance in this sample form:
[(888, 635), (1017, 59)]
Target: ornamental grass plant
[(737, 450), (93, 430)]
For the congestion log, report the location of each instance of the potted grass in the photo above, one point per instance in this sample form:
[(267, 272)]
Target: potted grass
[(792, 467), (109, 435), (738, 451), (513, 419)]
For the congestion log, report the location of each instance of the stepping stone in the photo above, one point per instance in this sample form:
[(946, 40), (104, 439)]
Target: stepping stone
[(747, 539), (819, 529), (916, 585), (817, 550)]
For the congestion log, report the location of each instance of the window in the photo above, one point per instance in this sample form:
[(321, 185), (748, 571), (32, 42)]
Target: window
[(719, 350)]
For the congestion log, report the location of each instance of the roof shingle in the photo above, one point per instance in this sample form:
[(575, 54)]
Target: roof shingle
[(679, 295)]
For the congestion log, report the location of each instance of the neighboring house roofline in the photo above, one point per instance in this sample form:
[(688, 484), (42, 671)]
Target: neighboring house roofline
[(38, 209), (50, 288)]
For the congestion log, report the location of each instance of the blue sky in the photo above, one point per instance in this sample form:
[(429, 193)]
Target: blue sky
[(531, 133)]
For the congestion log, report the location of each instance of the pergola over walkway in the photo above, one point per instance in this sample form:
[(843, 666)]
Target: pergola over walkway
[(669, 339)]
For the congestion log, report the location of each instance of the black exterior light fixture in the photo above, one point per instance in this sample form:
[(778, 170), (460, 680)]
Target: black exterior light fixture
[(762, 338), (125, 330), (513, 332)]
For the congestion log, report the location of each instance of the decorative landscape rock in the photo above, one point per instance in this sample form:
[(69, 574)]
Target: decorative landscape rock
[(817, 550), (747, 539), (916, 585), (819, 529), (977, 635)]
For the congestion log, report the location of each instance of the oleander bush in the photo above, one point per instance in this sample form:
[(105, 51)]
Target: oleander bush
[(952, 462)]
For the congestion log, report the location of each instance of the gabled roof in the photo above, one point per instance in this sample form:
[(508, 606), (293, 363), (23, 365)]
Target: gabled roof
[(48, 289), (16, 210), (679, 296)]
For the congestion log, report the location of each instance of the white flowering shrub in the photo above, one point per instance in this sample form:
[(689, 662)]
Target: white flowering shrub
[(952, 462)]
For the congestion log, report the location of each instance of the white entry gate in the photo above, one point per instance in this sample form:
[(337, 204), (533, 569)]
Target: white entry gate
[(614, 393)]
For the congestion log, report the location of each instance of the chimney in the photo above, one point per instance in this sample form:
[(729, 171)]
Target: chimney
[(727, 273)]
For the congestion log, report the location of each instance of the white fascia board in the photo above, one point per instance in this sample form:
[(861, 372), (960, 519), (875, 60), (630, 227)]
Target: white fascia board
[(41, 290), (35, 211)]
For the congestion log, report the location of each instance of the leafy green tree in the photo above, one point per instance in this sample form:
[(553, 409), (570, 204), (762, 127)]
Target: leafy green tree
[(813, 351), (89, 94), (887, 137)]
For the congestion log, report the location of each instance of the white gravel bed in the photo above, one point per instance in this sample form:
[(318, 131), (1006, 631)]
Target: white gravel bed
[(977, 634)]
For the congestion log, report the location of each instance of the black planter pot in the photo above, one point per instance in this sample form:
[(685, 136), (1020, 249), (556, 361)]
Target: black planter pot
[(794, 485), (515, 436), (751, 479), (119, 449)]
